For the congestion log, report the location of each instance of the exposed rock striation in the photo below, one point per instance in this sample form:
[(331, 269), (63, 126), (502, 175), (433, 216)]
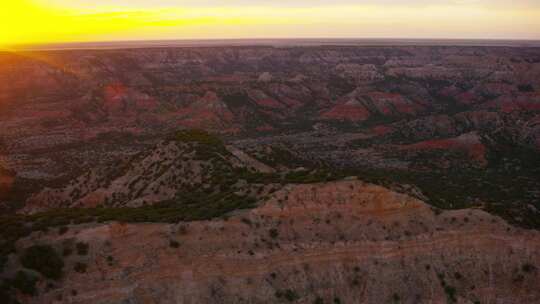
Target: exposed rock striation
[(344, 241)]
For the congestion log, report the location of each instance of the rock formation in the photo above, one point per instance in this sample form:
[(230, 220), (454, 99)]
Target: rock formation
[(346, 242)]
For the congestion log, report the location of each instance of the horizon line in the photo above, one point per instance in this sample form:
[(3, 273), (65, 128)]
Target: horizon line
[(274, 42)]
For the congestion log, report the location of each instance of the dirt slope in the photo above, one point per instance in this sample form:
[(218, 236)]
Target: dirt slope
[(336, 242)]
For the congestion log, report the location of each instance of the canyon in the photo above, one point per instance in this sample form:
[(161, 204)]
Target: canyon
[(269, 174), (346, 242)]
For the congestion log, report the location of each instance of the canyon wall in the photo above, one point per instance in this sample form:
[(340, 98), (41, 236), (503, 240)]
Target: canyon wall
[(336, 242)]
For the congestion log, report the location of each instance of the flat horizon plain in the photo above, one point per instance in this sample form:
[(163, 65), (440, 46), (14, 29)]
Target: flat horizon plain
[(280, 42)]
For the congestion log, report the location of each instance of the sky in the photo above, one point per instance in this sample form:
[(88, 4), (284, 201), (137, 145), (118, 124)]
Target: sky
[(58, 21)]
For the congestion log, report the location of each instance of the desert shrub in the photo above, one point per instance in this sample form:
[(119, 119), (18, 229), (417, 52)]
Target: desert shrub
[(288, 294), (63, 230), (67, 251), (80, 267), (5, 296), (174, 244), (197, 136), (273, 233), (25, 282), (236, 99), (3, 262), (527, 268), (43, 259), (246, 221), (182, 230), (450, 293), (82, 248), (525, 88)]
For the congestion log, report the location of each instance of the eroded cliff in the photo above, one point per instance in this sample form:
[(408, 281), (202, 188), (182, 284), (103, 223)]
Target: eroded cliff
[(335, 242)]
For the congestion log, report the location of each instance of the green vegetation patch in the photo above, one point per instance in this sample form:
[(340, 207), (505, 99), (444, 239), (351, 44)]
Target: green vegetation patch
[(25, 282), (197, 136), (43, 259), (206, 145), (289, 295), (507, 187)]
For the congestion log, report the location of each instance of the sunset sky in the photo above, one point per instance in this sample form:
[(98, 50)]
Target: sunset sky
[(53, 21)]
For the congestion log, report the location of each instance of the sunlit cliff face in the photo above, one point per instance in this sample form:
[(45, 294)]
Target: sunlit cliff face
[(42, 21)]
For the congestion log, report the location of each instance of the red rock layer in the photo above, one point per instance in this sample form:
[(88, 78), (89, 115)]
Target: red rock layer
[(342, 241)]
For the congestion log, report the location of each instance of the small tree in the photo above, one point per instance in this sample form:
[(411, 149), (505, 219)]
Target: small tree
[(43, 259), (273, 233), (80, 267), (25, 282), (82, 248)]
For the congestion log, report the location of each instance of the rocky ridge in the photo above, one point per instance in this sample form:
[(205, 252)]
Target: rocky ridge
[(346, 241)]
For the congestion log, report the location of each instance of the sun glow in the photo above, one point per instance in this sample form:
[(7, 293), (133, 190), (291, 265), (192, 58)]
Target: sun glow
[(39, 21)]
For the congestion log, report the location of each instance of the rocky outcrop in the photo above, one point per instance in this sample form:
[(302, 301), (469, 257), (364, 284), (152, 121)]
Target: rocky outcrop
[(208, 112), (171, 169), (346, 242), (360, 106), (469, 143), (351, 110)]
